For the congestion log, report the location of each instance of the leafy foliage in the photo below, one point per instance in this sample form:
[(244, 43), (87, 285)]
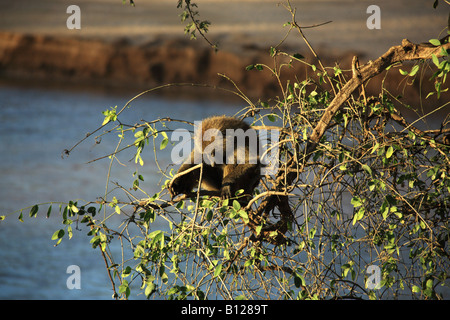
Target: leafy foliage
[(375, 191), (195, 25)]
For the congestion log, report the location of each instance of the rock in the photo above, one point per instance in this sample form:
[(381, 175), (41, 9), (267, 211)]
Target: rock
[(123, 64)]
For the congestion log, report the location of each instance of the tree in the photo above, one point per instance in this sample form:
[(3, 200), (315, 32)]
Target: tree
[(359, 188)]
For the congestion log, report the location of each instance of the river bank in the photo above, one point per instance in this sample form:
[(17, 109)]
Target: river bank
[(122, 63), (137, 48), (125, 65)]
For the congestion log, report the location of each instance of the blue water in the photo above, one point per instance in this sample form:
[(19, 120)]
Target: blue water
[(36, 125)]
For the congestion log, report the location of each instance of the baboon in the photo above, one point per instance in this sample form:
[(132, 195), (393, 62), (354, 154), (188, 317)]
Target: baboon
[(228, 151)]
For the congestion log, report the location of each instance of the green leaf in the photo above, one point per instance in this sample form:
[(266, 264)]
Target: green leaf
[(92, 211), (299, 281), (139, 159), (73, 208), (138, 251), (103, 239), (209, 215), (367, 169), (155, 234), (384, 211), (305, 134), (110, 115), (34, 211), (58, 234), (244, 215), (236, 205), (124, 288), (105, 121), (164, 277), (429, 95), (149, 289), (435, 60), (164, 142), (435, 42), (359, 215), (312, 233), (337, 71), (126, 272), (273, 51), (356, 202), (389, 152), (217, 270), (49, 211), (414, 70), (346, 268), (298, 56), (422, 225)]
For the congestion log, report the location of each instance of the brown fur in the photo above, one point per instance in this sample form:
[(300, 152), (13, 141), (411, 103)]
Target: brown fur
[(224, 177)]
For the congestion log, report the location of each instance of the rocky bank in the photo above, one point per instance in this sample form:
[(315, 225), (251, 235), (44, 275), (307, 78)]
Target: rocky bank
[(123, 64)]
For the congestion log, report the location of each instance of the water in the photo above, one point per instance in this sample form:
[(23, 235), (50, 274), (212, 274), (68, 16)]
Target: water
[(36, 125)]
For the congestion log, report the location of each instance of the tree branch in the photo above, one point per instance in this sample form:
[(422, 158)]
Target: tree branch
[(407, 51)]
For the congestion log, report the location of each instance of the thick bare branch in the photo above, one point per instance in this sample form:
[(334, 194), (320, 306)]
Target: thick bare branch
[(407, 51)]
